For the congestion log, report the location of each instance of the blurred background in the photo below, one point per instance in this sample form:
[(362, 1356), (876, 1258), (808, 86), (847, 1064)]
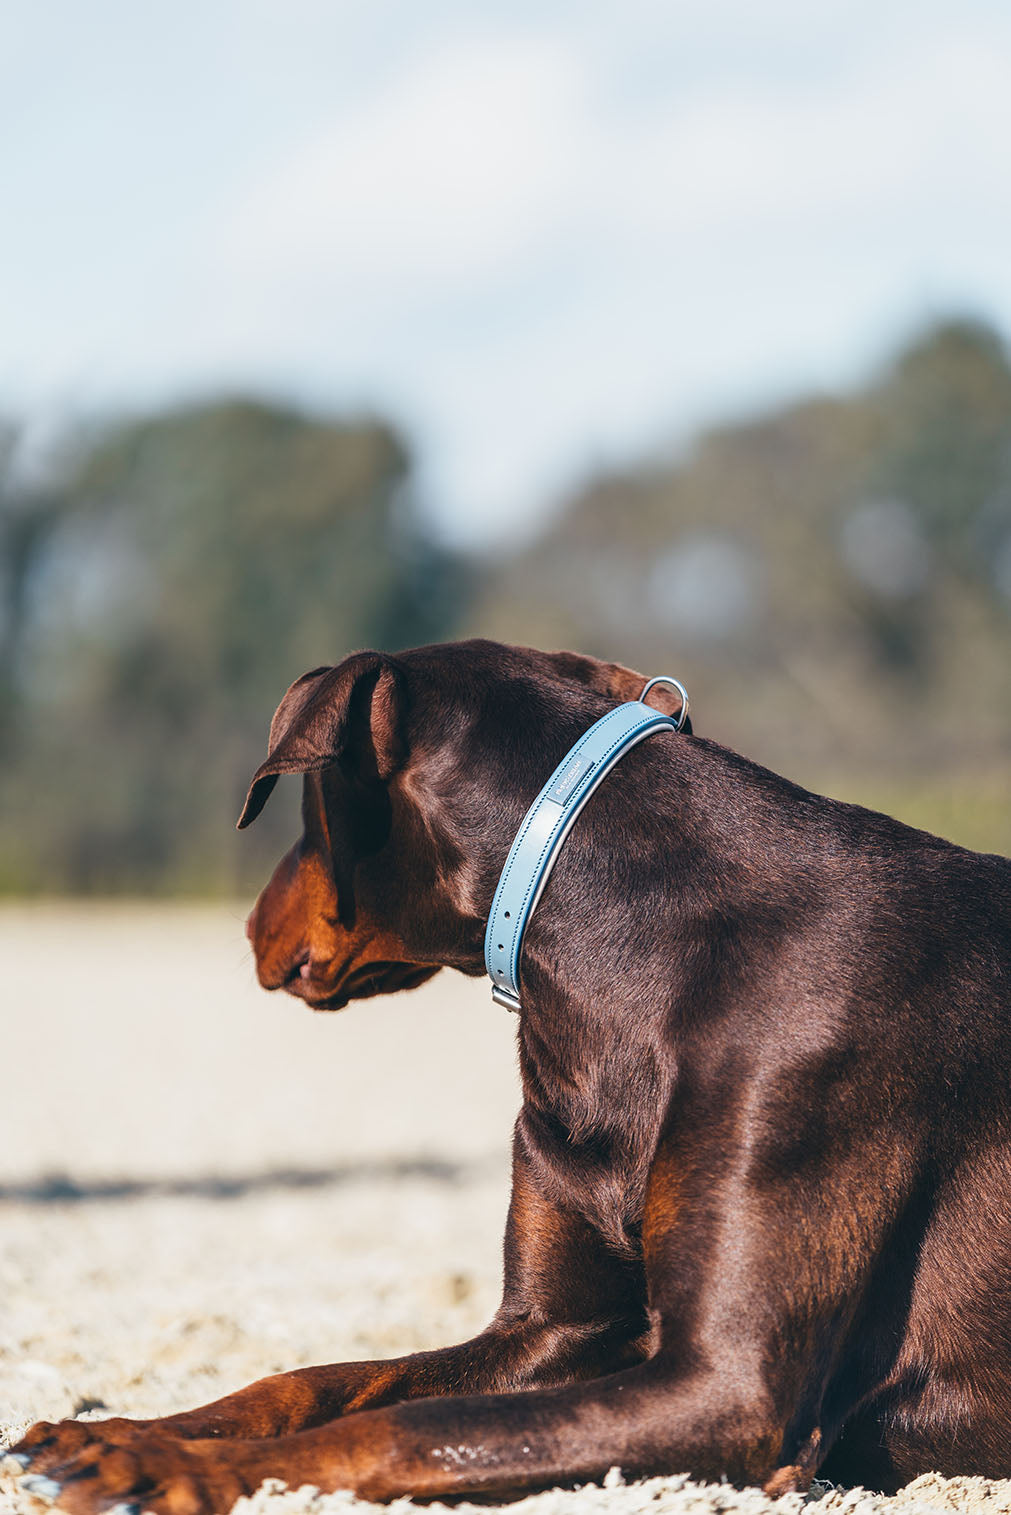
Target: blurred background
[(673, 333)]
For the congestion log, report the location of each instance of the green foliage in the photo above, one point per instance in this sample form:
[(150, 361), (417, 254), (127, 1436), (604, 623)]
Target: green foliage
[(832, 581), (159, 601)]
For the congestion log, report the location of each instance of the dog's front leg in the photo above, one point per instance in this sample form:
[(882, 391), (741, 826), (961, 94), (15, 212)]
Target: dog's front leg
[(642, 1419), (722, 1393), (570, 1310)]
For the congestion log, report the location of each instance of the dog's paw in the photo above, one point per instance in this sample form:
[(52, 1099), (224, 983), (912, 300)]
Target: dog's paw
[(143, 1473), (41, 1487), (46, 1446)]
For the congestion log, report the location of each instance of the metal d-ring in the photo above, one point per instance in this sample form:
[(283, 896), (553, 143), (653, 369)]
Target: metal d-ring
[(665, 678)]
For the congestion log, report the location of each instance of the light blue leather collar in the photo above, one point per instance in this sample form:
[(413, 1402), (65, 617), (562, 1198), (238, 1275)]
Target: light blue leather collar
[(548, 822)]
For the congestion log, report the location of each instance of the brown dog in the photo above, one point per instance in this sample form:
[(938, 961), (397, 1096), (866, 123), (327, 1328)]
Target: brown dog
[(761, 1211)]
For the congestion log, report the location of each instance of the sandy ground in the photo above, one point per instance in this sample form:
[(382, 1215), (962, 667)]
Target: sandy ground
[(200, 1184)]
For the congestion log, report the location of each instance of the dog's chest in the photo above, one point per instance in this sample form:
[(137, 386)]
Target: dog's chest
[(590, 1125)]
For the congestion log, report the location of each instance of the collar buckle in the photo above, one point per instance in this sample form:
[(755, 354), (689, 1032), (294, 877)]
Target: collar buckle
[(548, 822), (665, 678), (506, 998)]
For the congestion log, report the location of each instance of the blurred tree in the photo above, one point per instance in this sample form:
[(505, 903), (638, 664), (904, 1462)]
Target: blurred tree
[(27, 518), (157, 605), (833, 581), (945, 446)]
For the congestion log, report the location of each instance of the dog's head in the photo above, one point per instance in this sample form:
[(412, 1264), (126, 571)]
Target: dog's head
[(417, 769)]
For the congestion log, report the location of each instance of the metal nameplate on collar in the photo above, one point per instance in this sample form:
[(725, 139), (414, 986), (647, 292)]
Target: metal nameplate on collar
[(547, 823)]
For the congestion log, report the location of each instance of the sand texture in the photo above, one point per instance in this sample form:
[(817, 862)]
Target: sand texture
[(201, 1184)]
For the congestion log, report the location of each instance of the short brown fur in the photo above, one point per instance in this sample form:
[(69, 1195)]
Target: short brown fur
[(761, 1213)]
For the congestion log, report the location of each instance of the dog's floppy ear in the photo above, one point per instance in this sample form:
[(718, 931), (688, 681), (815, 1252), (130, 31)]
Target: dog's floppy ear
[(619, 682), (331, 714)]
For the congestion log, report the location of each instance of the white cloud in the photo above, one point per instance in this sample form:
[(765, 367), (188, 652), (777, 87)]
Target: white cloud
[(453, 170), (556, 234)]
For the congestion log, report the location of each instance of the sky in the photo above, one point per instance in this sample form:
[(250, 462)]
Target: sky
[(542, 238)]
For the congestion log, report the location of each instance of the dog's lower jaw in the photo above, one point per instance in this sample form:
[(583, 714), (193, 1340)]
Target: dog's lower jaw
[(364, 982)]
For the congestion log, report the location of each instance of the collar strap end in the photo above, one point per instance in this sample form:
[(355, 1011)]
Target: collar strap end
[(547, 823)]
